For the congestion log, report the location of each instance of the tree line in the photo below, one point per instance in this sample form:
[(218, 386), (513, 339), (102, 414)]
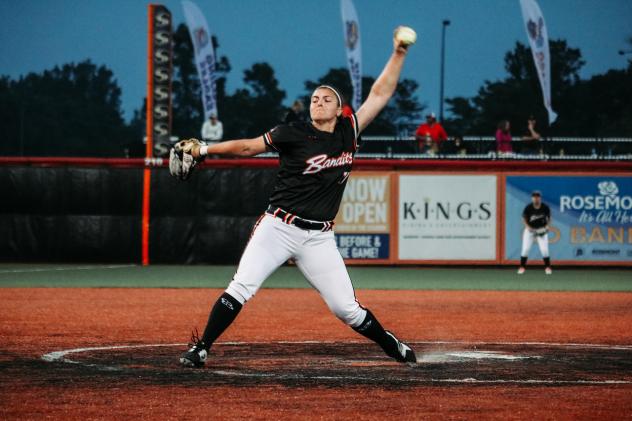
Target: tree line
[(75, 109), (597, 107)]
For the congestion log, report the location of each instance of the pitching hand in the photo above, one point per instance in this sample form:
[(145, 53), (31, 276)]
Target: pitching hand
[(403, 37)]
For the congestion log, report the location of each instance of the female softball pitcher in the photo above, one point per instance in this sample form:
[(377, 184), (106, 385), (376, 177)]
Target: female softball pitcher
[(315, 161)]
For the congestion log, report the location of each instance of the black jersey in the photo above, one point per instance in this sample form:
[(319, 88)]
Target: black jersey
[(315, 166), (537, 218)]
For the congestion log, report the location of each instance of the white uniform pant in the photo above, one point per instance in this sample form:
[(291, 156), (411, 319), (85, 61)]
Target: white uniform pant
[(273, 242), (527, 241)]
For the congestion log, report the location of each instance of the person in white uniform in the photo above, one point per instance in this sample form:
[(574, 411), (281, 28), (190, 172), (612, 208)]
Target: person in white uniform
[(536, 217), (315, 163)]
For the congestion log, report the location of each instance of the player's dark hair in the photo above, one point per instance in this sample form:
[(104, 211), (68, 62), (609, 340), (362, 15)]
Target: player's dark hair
[(502, 124), (334, 90)]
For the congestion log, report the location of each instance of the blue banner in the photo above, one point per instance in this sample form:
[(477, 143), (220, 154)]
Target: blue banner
[(591, 216), (204, 55), (363, 246), (353, 45)]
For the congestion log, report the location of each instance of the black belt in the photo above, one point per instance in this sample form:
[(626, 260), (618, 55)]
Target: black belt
[(301, 223)]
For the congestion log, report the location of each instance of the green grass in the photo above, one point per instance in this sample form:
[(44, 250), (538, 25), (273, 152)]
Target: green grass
[(457, 278)]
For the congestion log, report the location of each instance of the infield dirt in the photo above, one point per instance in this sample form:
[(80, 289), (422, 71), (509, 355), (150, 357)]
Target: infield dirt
[(337, 376)]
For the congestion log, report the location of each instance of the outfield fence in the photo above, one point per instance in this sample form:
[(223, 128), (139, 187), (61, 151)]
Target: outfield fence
[(394, 211)]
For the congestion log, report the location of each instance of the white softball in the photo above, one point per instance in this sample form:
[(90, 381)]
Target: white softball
[(406, 35)]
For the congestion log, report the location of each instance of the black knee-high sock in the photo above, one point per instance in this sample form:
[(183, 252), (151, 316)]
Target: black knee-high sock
[(523, 261), (224, 311), (547, 261), (372, 329)]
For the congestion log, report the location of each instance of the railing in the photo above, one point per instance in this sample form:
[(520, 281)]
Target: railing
[(484, 147), (476, 148), (395, 163)]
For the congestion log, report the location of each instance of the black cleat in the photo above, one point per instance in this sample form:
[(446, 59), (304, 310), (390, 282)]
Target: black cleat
[(405, 354), (196, 355)]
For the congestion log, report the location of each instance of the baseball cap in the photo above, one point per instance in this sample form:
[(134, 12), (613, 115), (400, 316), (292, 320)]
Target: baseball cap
[(431, 115), (536, 193)]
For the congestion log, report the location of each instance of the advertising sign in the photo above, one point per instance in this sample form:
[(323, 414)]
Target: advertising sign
[(162, 73), (591, 216), (363, 222), (353, 46), (445, 217), (204, 55), (539, 43)]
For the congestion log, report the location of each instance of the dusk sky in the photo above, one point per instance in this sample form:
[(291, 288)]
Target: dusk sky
[(303, 39)]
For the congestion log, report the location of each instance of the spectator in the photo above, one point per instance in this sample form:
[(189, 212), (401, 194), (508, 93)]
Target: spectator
[(531, 139), (294, 113), (429, 147), (503, 138), (461, 147), (433, 129), (455, 147), (212, 130)]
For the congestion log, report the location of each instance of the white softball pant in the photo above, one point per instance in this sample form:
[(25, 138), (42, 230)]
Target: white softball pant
[(273, 242), (527, 242)]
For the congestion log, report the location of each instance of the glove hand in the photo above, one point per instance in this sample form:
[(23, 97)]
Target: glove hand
[(190, 146), (541, 231), (183, 158)]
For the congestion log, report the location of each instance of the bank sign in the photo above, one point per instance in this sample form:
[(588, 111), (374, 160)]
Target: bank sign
[(363, 223), (447, 217), (591, 216)]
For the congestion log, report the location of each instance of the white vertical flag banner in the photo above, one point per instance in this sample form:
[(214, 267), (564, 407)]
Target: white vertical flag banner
[(539, 42), (351, 28), (204, 55)]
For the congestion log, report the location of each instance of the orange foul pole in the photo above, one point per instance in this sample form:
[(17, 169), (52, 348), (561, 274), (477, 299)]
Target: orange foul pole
[(150, 138)]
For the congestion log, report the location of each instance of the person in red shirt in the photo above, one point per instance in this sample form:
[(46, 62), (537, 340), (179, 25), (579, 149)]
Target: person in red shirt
[(431, 128)]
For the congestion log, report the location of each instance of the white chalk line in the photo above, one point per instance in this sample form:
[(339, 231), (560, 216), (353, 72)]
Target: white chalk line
[(481, 355), (60, 356), (59, 269)]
